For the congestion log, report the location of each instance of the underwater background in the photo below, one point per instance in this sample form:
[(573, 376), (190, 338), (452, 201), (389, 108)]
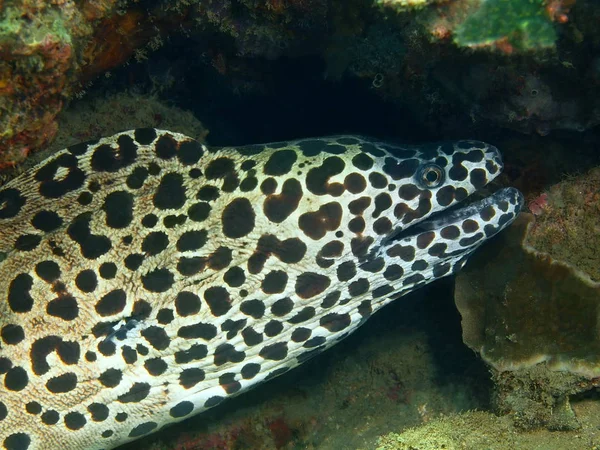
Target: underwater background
[(507, 356)]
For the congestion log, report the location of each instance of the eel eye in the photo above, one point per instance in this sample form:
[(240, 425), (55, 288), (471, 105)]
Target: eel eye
[(431, 175)]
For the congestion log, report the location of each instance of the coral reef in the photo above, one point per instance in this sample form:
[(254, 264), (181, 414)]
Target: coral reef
[(534, 318), (49, 48)]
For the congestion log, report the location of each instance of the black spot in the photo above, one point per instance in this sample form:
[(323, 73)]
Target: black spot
[(229, 384), (158, 280), (195, 353), (62, 383), (400, 168), (144, 136), (142, 429), (234, 277), (51, 187), (438, 249), (458, 172), (199, 212), (413, 279), (406, 253), (357, 225), (157, 337), (220, 258), (170, 193), (50, 417), (85, 198), (382, 202), (218, 300), (425, 239), (208, 193), (467, 242), (110, 378), (450, 232), (358, 206), (19, 298), (134, 261), (358, 287), (301, 334), (107, 433), (383, 225), (317, 179), (305, 314), (331, 299), (316, 224), (373, 265), (108, 270), (310, 284), (238, 218), (17, 441), (187, 303), (280, 162), (273, 328), (346, 271), (382, 291), (439, 270), (181, 409), (355, 183), (11, 202), (16, 379), (251, 337), (335, 322), (92, 246), (33, 408), (277, 208), (219, 168), (46, 221), (129, 354), (172, 220), (205, 331), (393, 272), (5, 365), (190, 152), (410, 191), (362, 161), (166, 147), (253, 308), (360, 245), (27, 242), (107, 159), (268, 186), (378, 180), (121, 417), (135, 394), (64, 307), (12, 334), (213, 401), (274, 352), (111, 303), (98, 411), (225, 353), (274, 282), (3, 411), (445, 195), (250, 370), (154, 243), (149, 220), (487, 213), (107, 348), (282, 307), (165, 316)]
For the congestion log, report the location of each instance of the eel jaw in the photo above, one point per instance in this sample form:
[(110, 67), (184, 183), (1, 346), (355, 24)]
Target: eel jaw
[(503, 206)]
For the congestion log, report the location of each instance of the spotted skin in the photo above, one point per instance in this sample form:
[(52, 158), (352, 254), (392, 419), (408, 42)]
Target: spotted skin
[(147, 278)]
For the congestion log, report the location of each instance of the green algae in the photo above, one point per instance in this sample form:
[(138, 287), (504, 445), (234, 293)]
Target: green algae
[(476, 430), (524, 23)]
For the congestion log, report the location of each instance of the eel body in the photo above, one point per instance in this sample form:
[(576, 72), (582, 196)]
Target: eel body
[(146, 277)]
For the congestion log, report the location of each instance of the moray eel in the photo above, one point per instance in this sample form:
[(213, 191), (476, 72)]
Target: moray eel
[(147, 278)]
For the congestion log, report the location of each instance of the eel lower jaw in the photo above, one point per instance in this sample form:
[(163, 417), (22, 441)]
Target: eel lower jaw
[(460, 212)]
